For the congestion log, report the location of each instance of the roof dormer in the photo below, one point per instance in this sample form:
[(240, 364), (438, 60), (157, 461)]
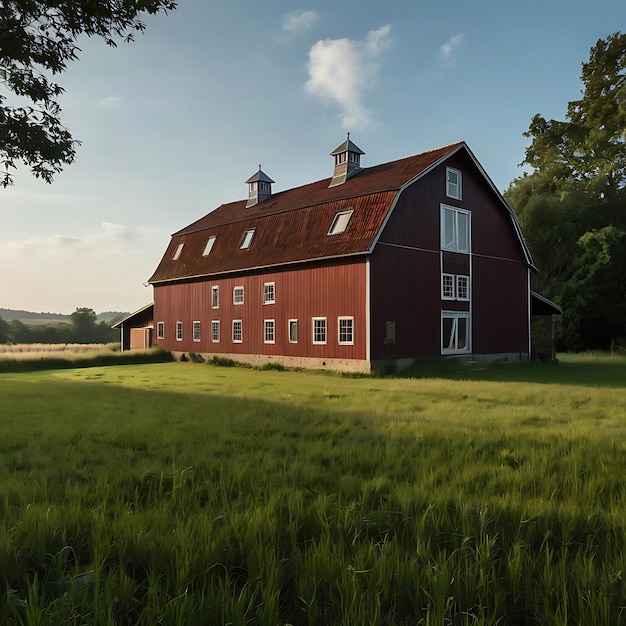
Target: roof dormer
[(259, 188), (347, 162)]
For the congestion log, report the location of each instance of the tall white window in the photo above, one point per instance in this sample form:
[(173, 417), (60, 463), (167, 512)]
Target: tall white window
[(455, 287), (454, 183), (160, 330), (215, 331), (462, 288), (238, 295), (447, 286), (268, 293), (237, 331), (319, 330), (179, 331), (293, 331), (455, 332), (196, 331), (209, 245), (455, 229), (246, 240), (215, 297), (268, 336), (346, 330)]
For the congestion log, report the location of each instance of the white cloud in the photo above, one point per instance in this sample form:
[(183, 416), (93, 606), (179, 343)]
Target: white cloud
[(341, 70), (300, 21), (448, 50), (109, 102)]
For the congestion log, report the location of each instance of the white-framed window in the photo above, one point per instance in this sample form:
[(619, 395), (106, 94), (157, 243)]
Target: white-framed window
[(319, 330), (454, 183), (455, 287), (268, 332), (209, 245), (269, 293), (455, 332), (455, 229), (355, 157), (179, 249), (346, 331), (340, 158), (462, 287), (253, 185), (237, 331), (340, 222), (160, 330), (215, 331), (264, 186), (447, 286), (293, 331), (238, 295), (246, 240), (179, 331), (390, 332), (196, 331), (215, 297)]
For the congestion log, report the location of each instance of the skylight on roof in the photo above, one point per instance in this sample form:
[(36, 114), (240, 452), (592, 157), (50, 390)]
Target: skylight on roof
[(177, 252), (340, 223), (246, 240), (209, 245)]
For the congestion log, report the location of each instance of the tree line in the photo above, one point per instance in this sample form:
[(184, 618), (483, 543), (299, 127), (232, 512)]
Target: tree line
[(83, 328), (572, 205)]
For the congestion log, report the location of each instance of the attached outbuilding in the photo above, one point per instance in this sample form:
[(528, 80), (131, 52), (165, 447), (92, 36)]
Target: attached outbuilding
[(136, 329)]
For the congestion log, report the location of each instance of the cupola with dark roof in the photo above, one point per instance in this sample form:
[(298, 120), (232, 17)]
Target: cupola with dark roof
[(347, 162), (259, 188)]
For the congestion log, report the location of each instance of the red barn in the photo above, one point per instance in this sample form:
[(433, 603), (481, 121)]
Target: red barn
[(413, 258)]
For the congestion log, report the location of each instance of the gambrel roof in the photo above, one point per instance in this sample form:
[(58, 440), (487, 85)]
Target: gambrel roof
[(292, 226)]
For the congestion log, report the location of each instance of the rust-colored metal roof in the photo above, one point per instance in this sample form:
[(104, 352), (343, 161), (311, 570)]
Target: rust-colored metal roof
[(292, 226)]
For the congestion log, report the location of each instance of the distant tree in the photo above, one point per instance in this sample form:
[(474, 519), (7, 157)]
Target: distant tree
[(572, 207), (84, 323), (38, 38), (4, 331), (19, 332)]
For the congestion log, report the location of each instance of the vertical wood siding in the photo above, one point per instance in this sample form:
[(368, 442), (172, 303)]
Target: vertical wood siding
[(325, 290)]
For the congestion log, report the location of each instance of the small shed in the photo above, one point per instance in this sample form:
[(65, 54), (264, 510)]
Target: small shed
[(136, 329)]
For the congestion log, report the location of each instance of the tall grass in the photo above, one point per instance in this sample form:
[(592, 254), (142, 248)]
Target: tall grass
[(191, 494)]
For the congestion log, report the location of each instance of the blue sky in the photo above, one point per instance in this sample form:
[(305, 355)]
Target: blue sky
[(173, 124)]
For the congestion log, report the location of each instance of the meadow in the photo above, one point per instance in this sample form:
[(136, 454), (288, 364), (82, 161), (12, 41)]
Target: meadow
[(184, 493)]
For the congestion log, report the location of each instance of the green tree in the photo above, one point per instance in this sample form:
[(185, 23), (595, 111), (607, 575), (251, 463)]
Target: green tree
[(4, 331), (572, 206), (84, 321), (38, 38)]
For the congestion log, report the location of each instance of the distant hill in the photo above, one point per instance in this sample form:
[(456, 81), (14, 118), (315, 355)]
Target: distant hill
[(29, 317)]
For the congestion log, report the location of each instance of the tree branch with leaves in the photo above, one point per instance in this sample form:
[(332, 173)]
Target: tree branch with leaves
[(38, 39)]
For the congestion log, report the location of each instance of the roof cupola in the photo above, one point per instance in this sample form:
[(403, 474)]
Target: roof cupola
[(347, 162), (259, 188)]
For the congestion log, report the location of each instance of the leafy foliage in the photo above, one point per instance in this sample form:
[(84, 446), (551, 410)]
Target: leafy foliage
[(572, 207), (37, 40)]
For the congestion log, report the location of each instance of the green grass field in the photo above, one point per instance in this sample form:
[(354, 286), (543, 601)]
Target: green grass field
[(184, 493)]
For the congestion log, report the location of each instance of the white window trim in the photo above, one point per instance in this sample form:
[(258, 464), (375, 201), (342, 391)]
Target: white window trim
[(179, 330), (196, 325), (209, 245), (242, 294), (265, 339), (456, 315), (160, 330), (215, 290), (233, 334), (319, 319), (457, 212), (273, 300), (338, 221), (215, 324), (177, 252), (459, 185), (339, 320), (289, 322), (246, 239), (443, 293), (457, 290)]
